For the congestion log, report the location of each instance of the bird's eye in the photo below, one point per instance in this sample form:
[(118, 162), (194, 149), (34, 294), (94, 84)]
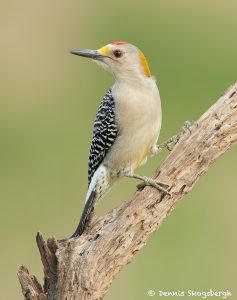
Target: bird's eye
[(118, 53)]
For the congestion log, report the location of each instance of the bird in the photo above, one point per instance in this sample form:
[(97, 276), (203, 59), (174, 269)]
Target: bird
[(127, 124)]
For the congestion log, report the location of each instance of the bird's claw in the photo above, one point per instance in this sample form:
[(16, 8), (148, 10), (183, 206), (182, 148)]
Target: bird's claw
[(171, 142), (187, 126), (156, 184)]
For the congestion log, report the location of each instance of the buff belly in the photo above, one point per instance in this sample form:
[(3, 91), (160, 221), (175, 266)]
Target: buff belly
[(139, 124)]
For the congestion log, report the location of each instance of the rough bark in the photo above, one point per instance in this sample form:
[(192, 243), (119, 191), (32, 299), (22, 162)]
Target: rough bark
[(84, 267)]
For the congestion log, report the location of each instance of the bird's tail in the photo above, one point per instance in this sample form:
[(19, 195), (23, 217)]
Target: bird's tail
[(89, 206), (100, 184)]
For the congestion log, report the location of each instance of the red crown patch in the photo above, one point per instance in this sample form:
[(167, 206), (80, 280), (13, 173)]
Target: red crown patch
[(119, 43)]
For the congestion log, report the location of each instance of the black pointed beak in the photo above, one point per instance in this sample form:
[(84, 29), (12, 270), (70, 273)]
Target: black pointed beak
[(93, 54)]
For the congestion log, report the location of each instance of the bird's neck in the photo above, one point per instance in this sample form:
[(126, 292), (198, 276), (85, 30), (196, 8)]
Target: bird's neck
[(130, 74), (135, 82)]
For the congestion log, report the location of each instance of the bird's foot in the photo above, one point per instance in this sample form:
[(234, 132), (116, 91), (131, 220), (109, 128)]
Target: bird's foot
[(187, 126), (162, 187), (171, 142), (151, 182)]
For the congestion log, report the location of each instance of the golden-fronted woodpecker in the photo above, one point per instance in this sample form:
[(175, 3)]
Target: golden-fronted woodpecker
[(127, 124)]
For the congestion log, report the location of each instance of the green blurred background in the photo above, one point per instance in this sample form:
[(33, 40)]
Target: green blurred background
[(49, 99)]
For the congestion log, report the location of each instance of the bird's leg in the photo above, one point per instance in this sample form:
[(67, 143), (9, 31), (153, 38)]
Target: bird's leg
[(171, 142), (149, 181)]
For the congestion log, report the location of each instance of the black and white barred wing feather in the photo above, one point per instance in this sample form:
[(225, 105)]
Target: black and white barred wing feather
[(104, 134)]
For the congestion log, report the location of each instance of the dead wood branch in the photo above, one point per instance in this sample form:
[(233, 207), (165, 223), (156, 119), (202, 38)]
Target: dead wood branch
[(84, 268)]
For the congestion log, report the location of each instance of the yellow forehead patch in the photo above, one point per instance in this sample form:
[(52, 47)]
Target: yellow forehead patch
[(104, 50), (145, 64)]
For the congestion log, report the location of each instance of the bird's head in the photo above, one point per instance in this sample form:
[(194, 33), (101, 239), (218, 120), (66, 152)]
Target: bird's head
[(125, 61)]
